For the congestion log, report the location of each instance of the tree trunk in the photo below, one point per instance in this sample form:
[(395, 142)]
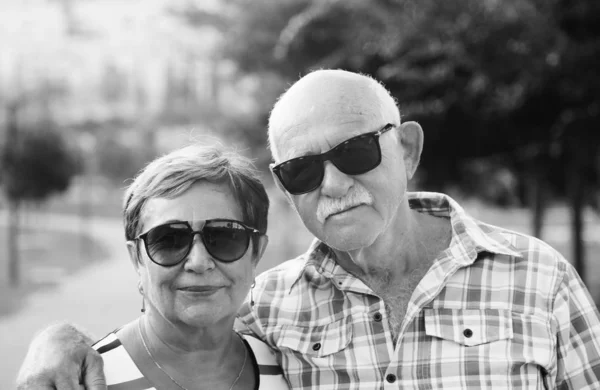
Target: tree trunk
[(536, 194), (576, 188), (14, 270), (538, 204), (84, 213), (7, 163)]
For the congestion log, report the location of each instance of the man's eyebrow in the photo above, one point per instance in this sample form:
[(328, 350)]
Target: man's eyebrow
[(169, 221), (294, 152)]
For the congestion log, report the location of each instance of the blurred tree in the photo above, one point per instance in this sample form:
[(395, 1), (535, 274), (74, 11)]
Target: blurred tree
[(114, 86), (509, 87), (35, 163), (460, 69), (515, 81), (119, 162), (577, 122), (463, 67), (242, 41)]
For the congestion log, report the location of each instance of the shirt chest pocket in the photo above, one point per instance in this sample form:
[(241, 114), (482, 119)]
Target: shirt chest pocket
[(498, 347), (315, 341), (469, 328)]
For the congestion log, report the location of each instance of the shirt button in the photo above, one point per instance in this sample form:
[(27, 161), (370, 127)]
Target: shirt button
[(468, 333), (377, 317), (316, 346), (391, 378)]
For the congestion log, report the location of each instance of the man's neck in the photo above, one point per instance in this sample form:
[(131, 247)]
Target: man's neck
[(409, 244), (394, 266)]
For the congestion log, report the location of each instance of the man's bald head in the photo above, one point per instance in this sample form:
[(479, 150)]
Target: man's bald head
[(327, 95)]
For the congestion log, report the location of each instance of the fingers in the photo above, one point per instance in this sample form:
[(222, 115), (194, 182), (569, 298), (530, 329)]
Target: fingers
[(67, 383), (93, 372), (56, 359), (48, 381), (32, 383)]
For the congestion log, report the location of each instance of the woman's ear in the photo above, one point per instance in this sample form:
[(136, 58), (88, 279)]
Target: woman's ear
[(134, 255), (411, 139), (263, 241)]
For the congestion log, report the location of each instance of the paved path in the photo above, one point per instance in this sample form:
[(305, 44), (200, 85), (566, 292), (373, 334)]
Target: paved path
[(99, 297)]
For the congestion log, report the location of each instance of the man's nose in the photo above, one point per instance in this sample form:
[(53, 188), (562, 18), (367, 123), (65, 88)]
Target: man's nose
[(335, 183), (199, 260)]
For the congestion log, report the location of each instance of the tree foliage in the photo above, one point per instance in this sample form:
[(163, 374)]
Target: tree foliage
[(119, 162), (515, 80), (508, 92), (37, 164)]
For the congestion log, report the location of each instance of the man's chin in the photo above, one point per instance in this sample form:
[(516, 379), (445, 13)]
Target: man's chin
[(347, 238)]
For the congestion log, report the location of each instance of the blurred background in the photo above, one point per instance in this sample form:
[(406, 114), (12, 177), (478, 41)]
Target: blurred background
[(507, 91)]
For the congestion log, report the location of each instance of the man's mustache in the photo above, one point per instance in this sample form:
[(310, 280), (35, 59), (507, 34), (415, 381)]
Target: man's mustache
[(357, 196)]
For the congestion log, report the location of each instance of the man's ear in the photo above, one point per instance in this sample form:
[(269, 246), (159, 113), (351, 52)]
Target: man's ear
[(411, 138), (134, 255)]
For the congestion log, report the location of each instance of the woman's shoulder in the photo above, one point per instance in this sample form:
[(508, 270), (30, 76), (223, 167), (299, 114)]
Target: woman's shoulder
[(119, 367), (107, 343), (262, 352), (270, 372)]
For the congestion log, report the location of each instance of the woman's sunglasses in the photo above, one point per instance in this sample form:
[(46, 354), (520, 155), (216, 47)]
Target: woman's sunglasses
[(354, 156), (226, 240)]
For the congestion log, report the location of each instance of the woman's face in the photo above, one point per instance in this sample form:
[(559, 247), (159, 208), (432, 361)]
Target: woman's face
[(200, 290)]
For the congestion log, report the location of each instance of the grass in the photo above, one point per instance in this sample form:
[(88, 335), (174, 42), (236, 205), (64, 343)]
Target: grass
[(45, 258)]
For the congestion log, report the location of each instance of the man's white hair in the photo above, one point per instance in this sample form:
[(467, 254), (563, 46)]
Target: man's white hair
[(384, 108)]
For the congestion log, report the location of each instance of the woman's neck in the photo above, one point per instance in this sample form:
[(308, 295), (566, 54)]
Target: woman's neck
[(179, 342), (198, 366), (218, 362)]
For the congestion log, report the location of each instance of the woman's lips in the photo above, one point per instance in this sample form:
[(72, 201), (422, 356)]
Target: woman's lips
[(200, 289)]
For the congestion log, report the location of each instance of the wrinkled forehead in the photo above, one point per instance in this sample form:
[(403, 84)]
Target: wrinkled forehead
[(314, 138)]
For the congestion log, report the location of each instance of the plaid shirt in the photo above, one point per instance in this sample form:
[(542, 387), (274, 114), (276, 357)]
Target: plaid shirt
[(496, 310)]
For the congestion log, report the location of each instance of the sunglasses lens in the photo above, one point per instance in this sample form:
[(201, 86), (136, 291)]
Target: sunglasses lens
[(168, 244), (226, 240), (302, 175), (358, 156)]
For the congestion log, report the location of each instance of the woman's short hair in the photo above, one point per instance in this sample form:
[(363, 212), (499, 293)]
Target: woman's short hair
[(174, 173)]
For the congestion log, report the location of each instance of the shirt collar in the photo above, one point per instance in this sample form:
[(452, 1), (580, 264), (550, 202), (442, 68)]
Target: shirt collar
[(319, 263), (469, 237)]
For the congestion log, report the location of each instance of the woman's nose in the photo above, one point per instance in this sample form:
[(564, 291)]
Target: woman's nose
[(198, 260)]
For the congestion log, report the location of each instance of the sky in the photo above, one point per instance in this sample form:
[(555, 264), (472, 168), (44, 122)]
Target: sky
[(137, 37)]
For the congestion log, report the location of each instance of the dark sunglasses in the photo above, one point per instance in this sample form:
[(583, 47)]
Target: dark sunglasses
[(354, 156), (226, 240)]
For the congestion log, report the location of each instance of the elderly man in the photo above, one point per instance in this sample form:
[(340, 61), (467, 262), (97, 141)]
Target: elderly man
[(400, 289)]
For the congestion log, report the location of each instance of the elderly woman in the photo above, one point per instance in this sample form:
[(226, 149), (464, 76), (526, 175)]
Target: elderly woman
[(195, 223)]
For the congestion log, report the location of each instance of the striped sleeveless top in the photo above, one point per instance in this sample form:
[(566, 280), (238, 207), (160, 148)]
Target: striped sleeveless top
[(122, 373)]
